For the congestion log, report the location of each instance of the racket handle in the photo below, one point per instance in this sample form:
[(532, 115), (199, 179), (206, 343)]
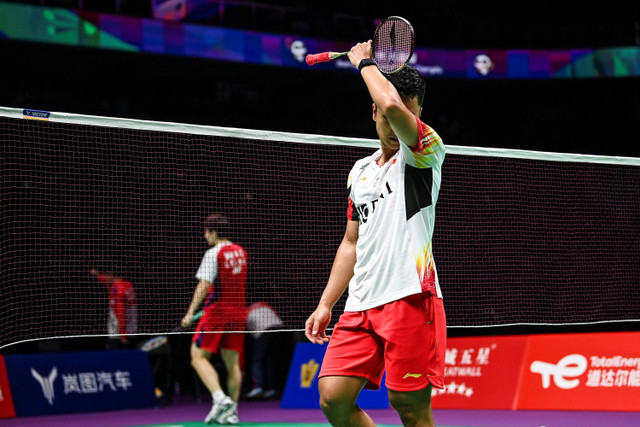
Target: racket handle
[(194, 319), (323, 57), (197, 316)]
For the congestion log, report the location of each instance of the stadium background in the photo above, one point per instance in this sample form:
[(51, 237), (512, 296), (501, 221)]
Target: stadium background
[(548, 115), (595, 116)]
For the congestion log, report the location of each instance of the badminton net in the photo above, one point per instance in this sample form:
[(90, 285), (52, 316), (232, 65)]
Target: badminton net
[(522, 238)]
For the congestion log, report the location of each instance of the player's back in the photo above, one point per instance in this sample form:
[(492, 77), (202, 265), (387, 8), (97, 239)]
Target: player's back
[(232, 274)]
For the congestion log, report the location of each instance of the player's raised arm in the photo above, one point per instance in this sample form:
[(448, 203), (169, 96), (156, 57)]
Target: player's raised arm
[(386, 97)]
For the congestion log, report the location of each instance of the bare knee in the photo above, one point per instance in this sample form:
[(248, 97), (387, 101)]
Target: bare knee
[(403, 404), (338, 397), (414, 408), (331, 401), (195, 361), (231, 360), (197, 356)]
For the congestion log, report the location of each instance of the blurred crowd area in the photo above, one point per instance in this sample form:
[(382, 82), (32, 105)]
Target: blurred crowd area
[(439, 23)]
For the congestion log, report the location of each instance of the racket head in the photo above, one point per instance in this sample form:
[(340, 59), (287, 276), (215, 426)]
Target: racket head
[(393, 44), (154, 343)]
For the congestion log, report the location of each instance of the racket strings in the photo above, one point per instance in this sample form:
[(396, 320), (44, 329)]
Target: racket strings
[(393, 45)]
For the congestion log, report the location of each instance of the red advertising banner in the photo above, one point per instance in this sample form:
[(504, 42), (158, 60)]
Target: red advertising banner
[(595, 371), (481, 372), (6, 403)]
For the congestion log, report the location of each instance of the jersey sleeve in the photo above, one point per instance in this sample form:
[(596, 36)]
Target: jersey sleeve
[(352, 213), (208, 267), (102, 278), (430, 150)]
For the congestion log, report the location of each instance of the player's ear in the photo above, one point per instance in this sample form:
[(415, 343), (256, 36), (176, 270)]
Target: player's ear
[(375, 111)]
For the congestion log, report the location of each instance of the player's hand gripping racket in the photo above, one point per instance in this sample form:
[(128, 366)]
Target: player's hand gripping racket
[(158, 341), (393, 44)]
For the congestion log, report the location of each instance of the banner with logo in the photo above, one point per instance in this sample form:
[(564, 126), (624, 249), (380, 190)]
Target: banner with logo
[(594, 371), (583, 371), (301, 390), (56, 383), (6, 402), (481, 372), (168, 33)]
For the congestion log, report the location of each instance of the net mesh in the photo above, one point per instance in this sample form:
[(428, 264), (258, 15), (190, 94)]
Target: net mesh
[(517, 241), (393, 44), (538, 242)]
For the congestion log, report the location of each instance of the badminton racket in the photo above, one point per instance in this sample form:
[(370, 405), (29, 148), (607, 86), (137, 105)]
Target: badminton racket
[(393, 44), (160, 340)]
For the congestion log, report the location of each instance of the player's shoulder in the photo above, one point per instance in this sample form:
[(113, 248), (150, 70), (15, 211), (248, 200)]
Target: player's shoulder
[(428, 134), (212, 252), (231, 246), (234, 245), (361, 165), (368, 159), (123, 283)]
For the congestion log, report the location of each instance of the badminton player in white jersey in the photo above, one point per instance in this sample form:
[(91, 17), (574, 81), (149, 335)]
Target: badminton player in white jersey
[(394, 318)]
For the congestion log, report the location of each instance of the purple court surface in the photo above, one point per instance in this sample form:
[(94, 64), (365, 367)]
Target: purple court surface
[(270, 412)]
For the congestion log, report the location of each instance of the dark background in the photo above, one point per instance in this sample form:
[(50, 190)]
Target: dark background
[(594, 116)]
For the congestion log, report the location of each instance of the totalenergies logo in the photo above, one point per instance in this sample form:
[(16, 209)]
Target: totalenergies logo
[(564, 373), (601, 372)]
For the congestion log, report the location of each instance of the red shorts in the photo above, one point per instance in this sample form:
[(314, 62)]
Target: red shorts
[(214, 324), (407, 338)]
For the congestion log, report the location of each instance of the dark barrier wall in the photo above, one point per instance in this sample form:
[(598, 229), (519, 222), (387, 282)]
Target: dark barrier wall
[(598, 116)]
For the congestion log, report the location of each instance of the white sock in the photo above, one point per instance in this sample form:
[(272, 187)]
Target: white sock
[(218, 396)]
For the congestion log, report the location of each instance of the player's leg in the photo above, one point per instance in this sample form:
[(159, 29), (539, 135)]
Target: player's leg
[(414, 332), (258, 357), (414, 407), (204, 369), (221, 404), (338, 396), (203, 345), (270, 366), (231, 359), (231, 352), (353, 360)]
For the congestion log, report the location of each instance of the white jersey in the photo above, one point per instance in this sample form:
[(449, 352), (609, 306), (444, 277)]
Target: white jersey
[(262, 317), (395, 206)]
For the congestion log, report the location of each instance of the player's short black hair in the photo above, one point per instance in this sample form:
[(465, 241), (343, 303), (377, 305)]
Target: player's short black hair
[(409, 83), (218, 223)]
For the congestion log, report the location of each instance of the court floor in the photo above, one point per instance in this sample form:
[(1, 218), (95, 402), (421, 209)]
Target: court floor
[(269, 414)]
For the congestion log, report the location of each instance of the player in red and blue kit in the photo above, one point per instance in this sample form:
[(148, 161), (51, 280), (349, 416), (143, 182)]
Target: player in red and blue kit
[(123, 309), (221, 290)]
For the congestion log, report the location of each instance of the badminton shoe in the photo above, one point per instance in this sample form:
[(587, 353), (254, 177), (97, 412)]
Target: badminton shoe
[(220, 410), (256, 393), (231, 416)]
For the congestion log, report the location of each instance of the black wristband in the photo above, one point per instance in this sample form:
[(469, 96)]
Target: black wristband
[(365, 62)]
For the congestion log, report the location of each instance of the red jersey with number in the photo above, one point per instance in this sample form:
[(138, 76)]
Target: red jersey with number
[(123, 306), (225, 267)]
